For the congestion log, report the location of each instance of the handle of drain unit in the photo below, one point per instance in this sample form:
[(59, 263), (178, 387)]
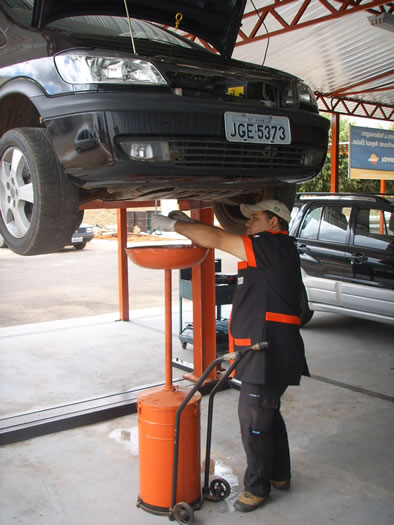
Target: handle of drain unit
[(264, 345)]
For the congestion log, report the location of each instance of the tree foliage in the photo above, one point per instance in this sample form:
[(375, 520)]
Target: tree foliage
[(322, 182)]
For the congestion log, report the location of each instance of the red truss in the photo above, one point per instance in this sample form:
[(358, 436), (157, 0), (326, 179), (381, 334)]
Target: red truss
[(355, 108)]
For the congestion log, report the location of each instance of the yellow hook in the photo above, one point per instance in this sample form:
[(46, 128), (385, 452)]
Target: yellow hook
[(178, 19)]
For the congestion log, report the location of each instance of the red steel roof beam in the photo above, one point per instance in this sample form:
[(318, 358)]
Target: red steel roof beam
[(338, 105), (346, 8)]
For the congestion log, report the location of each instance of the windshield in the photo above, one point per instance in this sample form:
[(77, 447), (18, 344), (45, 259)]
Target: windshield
[(111, 26)]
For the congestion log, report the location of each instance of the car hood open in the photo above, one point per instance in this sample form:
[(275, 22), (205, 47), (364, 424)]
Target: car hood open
[(215, 21)]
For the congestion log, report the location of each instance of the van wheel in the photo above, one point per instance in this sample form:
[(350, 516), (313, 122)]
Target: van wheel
[(38, 203)]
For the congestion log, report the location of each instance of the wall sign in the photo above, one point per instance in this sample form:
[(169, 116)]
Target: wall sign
[(371, 153)]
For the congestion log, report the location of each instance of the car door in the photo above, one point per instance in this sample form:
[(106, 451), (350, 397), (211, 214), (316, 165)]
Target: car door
[(369, 268), (322, 243)]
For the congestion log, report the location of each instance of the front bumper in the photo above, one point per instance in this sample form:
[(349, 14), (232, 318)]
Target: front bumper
[(86, 130)]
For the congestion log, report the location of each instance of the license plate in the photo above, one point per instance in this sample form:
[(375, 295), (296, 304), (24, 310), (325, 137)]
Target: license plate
[(77, 239), (258, 129)]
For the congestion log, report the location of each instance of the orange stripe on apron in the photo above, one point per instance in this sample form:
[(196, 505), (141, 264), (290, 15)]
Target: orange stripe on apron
[(282, 318), (243, 342), (249, 251)]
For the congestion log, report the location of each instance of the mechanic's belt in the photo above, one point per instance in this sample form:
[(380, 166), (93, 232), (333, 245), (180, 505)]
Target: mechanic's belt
[(282, 318)]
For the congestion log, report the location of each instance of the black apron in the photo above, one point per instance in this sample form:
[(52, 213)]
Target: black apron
[(266, 307)]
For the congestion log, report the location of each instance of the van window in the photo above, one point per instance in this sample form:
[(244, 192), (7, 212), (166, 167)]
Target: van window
[(374, 229), (334, 223), (310, 226)]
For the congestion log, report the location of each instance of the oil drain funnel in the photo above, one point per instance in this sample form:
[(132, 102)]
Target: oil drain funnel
[(157, 408)]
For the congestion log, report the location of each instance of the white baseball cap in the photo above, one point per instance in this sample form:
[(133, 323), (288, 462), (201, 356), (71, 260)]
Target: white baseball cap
[(273, 205)]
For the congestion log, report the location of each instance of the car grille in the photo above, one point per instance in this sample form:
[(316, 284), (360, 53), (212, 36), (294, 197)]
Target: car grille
[(217, 153)]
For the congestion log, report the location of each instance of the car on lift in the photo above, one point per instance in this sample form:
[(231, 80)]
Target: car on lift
[(346, 247), (96, 105)]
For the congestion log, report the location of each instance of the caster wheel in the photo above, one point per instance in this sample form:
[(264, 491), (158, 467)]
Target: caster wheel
[(220, 488), (183, 513)]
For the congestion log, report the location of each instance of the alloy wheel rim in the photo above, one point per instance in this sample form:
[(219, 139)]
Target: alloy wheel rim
[(16, 192)]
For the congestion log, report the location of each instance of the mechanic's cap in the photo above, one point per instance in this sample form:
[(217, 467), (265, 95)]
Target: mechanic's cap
[(273, 205)]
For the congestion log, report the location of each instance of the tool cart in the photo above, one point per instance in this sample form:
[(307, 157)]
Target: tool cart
[(224, 286)]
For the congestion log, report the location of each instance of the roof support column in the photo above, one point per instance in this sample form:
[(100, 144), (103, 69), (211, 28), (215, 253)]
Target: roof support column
[(334, 152)]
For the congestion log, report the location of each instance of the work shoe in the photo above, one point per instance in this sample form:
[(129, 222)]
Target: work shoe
[(248, 502), (281, 485)]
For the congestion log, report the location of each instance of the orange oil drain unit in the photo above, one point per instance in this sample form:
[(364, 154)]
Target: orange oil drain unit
[(169, 449)]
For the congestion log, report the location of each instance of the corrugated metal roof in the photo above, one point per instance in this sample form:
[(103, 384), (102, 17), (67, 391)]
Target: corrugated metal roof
[(329, 56)]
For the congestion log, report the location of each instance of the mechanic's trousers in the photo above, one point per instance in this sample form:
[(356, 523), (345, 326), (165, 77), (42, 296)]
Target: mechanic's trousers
[(264, 437)]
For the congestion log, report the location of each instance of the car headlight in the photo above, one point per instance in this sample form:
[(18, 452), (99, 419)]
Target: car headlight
[(93, 69), (306, 95), (299, 95)]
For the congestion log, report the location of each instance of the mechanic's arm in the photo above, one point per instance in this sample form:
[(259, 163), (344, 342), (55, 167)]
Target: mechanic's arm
[(212, 237), (202, 234)]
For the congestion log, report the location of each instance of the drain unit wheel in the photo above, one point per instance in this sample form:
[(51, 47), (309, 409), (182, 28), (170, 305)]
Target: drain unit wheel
[(183, 513), (220, 488)]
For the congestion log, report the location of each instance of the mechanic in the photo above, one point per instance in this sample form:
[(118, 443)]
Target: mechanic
[(266, 307)]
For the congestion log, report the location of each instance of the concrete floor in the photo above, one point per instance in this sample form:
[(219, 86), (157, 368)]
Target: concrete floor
[(340, 425)]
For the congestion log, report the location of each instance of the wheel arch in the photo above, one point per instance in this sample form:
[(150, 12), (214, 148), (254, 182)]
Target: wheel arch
[(17, 106)]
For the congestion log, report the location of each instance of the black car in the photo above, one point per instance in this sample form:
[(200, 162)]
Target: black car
[(82, 236), (97, 106), (79, 238), (346, 246)]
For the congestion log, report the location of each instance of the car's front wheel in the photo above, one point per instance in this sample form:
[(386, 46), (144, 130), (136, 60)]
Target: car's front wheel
[(230, 216), (38, 203), (3, 244)]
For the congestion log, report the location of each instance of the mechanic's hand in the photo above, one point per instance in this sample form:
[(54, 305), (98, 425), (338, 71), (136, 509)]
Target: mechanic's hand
[(178, 215), (163, 223)]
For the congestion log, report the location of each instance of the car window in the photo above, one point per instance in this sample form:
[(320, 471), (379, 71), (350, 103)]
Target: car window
[(334, 224), (310, 225), (374, 229)]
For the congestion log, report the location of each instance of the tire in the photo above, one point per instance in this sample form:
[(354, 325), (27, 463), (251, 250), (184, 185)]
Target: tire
[(306, 314), (78, 220), (80, 246), (38, 203), (3, 244), (183, 513), (220, 489), (230, 216)]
